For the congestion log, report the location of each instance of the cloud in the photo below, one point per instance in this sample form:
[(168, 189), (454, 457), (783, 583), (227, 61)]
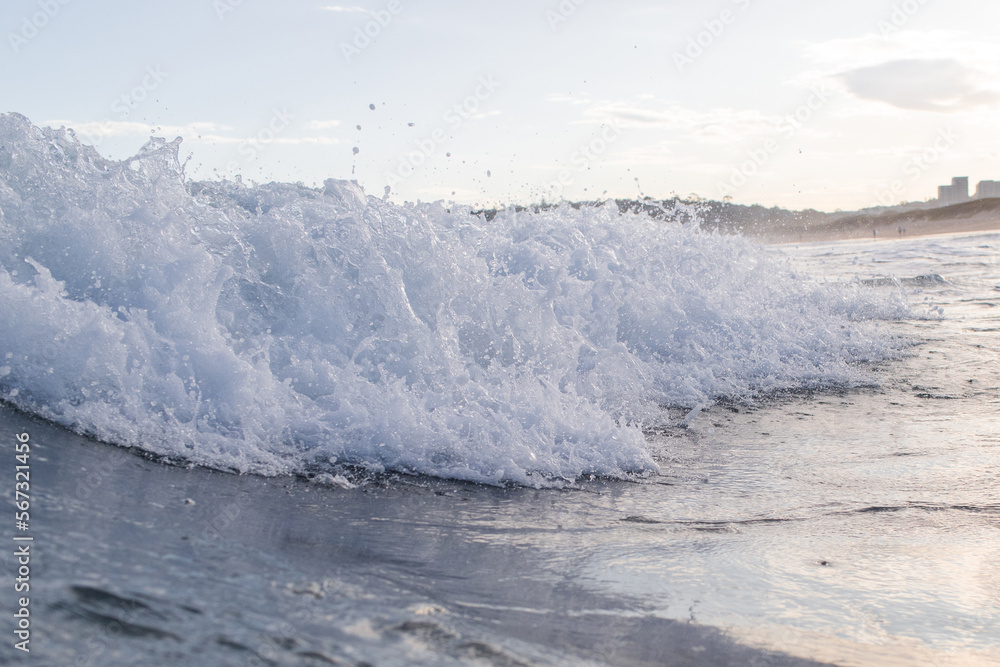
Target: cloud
[(197, 132), (713, 126), (838, 55), (575, 100), (341, 8), (925, 85), (112, 128), (322, 124)]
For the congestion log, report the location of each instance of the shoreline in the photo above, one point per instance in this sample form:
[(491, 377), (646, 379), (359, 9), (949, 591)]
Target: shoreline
[(886, 232)]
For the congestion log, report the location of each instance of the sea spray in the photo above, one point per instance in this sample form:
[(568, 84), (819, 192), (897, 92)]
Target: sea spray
[(279, 328)]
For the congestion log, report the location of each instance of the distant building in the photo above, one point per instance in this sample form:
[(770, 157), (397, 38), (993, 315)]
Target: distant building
[(955, 193), (987, 189)]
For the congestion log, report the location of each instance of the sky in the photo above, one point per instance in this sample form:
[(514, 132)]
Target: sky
[(819, 105)]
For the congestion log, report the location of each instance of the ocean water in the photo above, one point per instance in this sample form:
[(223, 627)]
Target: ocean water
[(565, 437), (277, 328)]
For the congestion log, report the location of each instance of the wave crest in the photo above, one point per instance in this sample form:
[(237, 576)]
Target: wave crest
[(277, 328)]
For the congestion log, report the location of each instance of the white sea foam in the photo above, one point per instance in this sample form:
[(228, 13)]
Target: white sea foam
[(280, 328)]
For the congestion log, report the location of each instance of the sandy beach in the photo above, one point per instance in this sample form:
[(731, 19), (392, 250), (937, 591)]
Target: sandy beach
[(965, 218)]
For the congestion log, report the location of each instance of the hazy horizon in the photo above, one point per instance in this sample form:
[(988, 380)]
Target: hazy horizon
[(776, 104)]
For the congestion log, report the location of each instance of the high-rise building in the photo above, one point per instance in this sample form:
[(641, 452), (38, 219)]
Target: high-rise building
[(960, 188), (955, 193), (987, 189)]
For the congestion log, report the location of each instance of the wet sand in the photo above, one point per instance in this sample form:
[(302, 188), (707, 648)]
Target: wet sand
[(142, 563)]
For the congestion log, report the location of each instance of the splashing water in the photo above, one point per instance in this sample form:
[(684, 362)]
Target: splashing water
[(279, 328)]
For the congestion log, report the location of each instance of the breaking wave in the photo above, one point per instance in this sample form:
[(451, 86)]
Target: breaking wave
[(279, 328)]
